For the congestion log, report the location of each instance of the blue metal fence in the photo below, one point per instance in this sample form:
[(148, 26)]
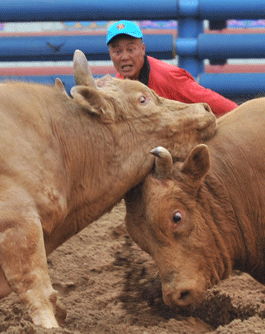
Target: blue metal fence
[(192, 45)]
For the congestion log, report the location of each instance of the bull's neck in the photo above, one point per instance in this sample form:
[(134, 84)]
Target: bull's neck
[(106, 163), (230, 225)]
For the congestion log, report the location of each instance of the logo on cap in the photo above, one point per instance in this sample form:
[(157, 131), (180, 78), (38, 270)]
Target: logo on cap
[(120, 26)]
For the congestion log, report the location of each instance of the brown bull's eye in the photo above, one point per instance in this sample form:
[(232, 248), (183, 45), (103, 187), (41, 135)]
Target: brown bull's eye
[(177, 217)]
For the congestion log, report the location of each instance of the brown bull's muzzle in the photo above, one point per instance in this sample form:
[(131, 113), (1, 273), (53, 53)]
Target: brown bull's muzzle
[(183, 295)]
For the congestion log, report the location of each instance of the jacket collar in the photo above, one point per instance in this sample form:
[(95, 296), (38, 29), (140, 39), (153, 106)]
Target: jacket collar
[(145, 72)]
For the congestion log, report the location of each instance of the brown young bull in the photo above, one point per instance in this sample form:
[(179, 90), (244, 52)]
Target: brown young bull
[(65, 162), (203, 217)]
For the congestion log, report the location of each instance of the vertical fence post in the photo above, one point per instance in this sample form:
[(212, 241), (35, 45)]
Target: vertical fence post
[(190, 28)]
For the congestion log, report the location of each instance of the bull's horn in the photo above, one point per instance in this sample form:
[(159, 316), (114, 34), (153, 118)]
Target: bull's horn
[(163, 162), (82, 73)]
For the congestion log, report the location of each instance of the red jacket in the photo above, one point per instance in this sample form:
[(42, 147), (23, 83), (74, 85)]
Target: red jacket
[(177, 84)]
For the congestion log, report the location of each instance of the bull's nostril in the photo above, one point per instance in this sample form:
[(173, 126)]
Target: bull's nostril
[(184, 295)]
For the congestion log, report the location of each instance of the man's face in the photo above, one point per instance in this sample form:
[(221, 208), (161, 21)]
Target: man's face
[(127, 54)]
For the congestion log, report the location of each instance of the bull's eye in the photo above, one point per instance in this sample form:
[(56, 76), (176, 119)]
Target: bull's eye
[(177, 217), (142, 99)]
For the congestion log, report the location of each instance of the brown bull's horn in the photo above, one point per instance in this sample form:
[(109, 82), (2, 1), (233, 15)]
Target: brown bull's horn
[(163, 162), (82, 73), (60, 86)]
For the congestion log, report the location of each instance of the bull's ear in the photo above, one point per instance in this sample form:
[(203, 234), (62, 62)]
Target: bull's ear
[(197, 163), (93, 100)]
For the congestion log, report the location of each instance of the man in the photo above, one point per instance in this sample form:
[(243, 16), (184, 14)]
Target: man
[(127, 52)]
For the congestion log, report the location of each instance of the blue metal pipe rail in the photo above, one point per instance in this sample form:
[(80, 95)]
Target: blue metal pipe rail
[(68, 80), (80, 10), (235, 84), (223, 46), (55, 48)]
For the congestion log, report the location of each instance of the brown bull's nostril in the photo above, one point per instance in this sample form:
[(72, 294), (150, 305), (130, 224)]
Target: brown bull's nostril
[(174, 298), (184, 295), (207, 107)]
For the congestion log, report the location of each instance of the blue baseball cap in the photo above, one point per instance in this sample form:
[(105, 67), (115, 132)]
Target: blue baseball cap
[(123, 27)]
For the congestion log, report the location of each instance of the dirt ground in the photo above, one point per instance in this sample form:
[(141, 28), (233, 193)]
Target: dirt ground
[(110, 286)]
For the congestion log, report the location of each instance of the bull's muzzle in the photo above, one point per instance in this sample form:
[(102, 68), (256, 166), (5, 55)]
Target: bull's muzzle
[(177, 298), (185, 297)]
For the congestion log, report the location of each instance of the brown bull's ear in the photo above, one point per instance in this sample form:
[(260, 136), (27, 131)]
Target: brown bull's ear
[(197, 163), (93, 100)]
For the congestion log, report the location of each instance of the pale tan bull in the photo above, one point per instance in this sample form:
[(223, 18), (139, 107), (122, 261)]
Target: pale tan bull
[(64, 162)]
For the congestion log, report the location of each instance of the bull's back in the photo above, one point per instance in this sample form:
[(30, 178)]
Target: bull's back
[(27, 107), (27, 141), (238, 159), (240, 134)]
